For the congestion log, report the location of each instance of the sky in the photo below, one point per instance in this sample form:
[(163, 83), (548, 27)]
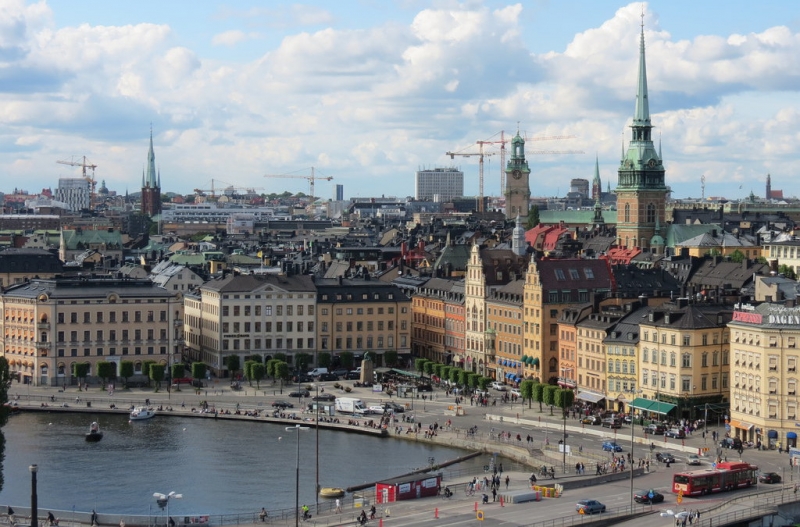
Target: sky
[(369, 91)]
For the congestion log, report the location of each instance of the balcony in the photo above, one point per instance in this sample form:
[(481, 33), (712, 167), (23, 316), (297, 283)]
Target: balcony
[(43, 325)]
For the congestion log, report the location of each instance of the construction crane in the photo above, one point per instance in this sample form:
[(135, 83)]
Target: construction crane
[(502, 142), (84, 164), (311, 179), (480, 155), (225, 187)]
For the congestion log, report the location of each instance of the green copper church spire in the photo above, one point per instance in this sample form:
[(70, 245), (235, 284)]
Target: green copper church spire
[(641, 115), (151, 164)]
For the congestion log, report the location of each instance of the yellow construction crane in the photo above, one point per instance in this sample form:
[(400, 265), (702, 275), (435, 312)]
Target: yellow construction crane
[(480, 155), (84, 164), (311, 179)]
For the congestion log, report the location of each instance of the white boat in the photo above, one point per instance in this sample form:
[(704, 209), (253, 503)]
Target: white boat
[(142, 412)]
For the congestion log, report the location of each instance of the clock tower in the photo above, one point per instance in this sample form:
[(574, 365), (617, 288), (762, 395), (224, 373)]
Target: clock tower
[(517, 191), (641, 190)]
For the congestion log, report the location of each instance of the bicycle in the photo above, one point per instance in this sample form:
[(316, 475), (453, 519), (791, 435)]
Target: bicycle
[(446, 494), (469, 490)]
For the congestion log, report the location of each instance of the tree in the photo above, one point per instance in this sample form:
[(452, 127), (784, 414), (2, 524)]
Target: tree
[(526, 390), (198, 372), (106, 370), (81, 370), (737, 256), (419, 365), (446, 373), (533, 217), (483, 383), (538, 394), (346, 359), (302, 361), (324, 360), (787, 271), (390, 357), (282, 370), (146, 370), (280, 356), (549, 397), (463, 377), (157, 374), (270, 368), (564, 399), (257, 372), (472, 380), (455, 374), (178, 371), (234, 364), (126, 370), (248, 371)]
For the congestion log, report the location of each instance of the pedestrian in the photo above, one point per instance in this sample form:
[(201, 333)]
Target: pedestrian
[(494, 494), (93, 518), (338, 505), (508, 479), (501, 465), (263, 514)]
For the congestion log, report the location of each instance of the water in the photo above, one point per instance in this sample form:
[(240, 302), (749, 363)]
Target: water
[(219, 466)]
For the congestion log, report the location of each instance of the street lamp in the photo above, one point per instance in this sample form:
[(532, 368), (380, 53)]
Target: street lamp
[(564, 418), (297, 429), (34, 498), (633, 392), (163, 500)]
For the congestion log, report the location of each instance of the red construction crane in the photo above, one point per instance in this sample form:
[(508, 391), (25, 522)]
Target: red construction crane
[(84, 164)]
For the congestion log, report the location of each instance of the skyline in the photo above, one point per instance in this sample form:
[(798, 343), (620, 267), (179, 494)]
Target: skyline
[(369, 92)]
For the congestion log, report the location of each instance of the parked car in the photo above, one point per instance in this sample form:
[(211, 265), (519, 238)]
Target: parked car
[(328, 377), (300, 393), (769, 477), (590, 506), (655, 429), (353, 375), (515, 391), (677, 433), (648, 496), (499, 386), (375, 409), (611, 422), (394, 407), (693, 459), (731, 442), (324, 397), (302, 377), (611, 446), (340, 372), (591, 420), (424, 388), (282, 404), (627, 419), (665, 457)]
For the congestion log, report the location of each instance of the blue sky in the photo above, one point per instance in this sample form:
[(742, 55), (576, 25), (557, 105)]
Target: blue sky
[(369, 91)]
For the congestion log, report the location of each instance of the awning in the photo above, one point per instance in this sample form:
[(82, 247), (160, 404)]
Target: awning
[(791, 435), (735, 423), (772, 434), (590, 397), (405, 373), (649, 405), (534, 361)]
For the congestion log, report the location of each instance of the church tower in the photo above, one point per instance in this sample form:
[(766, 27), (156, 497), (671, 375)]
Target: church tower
[(518, 190), (597, 186), (641, 190), (151, 185), (769, 188)]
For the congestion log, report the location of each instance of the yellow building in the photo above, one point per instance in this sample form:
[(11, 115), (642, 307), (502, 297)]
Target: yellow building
[(504, 317)]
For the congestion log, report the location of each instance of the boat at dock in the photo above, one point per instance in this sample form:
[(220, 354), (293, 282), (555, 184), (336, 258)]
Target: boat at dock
[(94, 434), (142, 412)]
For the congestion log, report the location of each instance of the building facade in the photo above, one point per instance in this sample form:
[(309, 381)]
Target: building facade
[(49, 325), (518, 190), (151, 184), (440, 184), (504, 317), (75, 192), (248, 315)]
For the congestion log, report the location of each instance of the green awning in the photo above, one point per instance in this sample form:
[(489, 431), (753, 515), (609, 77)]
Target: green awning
[(534, 361), (405, 373), (649, 405)]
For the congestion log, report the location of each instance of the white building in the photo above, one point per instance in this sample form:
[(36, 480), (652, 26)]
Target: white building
[(75, 192), (439, 184)]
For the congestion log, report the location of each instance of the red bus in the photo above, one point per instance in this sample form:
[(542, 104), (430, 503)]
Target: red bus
[(725, 476)]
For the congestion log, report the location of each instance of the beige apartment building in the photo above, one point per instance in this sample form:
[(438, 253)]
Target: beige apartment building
[(49, 325), (363, 315), (764, 377), (247, 315)]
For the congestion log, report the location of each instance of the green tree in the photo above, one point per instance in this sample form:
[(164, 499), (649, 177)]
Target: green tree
[(550, 396), (437, 369), (324, 360), (126, 370), (564, 399), (157, 374), (106, 370), (178, 370), (526, 390), (302, 361), (538, 394), (280, 356), (248, 371), (80, 370), (346, 359), (787, 271), (463, 377), (483, 383), (455, 373), (146, 370), (258, 371), (198, 373), (533, 217), (234, 364), (419, 365), (446, 373), (270, 367), (429, 366), (737, 256), (390, 357), (282, 370), (472, 380)]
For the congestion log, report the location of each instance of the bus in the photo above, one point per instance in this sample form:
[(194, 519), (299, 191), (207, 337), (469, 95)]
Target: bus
[(724, 476)]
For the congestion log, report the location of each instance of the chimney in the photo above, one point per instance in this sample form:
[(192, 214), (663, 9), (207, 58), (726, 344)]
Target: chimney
[(643, 300)]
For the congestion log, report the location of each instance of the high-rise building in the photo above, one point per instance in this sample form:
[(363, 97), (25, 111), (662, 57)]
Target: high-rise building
[(339, 193), (641, 190), (75, 192), (439, 184), (151, 185), (518, 190)]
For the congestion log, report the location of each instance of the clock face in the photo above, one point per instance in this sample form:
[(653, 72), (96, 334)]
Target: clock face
[(517, 174), (652, 163)]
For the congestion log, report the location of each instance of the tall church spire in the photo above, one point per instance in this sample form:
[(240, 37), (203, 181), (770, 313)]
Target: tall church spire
[(151, 164), (597, 186), (641, 115)]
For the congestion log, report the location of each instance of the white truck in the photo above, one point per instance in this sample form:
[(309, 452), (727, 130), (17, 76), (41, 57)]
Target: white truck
[(351, 406)]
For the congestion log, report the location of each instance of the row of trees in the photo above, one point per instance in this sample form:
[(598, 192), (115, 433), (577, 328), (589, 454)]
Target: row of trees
[(530, 390), (152, 370), (302, 361)]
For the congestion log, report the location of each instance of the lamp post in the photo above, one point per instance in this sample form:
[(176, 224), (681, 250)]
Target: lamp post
[(564, 418), (34, 498), (633, 392), (297, 429), (163, 501), (317, 453)]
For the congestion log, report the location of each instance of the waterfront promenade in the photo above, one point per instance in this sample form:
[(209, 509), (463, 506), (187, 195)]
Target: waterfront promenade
[(496, 429)]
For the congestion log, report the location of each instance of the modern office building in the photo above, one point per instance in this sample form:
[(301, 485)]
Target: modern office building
[(439, 184), (339, 196), (75, 192)]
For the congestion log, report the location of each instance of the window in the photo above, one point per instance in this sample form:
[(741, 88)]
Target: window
[(87, 318), (73, 318), (686, 360)]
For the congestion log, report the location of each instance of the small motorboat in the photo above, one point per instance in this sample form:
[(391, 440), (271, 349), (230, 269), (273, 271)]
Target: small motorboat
[(142, 412), (94, 434), (331, 492)]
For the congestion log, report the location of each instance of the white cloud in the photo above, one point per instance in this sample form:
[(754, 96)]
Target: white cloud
[(229, 38)]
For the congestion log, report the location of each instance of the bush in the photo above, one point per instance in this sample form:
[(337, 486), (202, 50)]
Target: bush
[(348, 389)]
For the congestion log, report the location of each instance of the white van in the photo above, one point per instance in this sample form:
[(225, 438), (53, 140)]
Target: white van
[(316, 372)]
